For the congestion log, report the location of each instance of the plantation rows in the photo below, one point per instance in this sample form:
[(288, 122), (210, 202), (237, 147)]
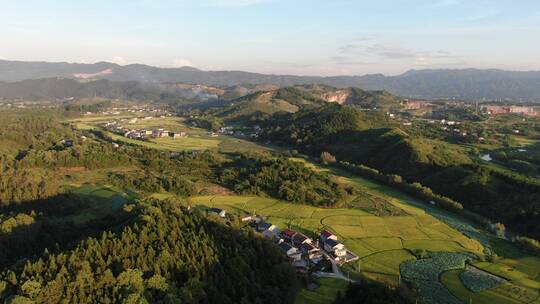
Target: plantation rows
[(477, 280), (425, 274)]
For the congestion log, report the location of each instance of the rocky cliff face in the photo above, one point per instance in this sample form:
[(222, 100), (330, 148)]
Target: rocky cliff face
[(339, 96)]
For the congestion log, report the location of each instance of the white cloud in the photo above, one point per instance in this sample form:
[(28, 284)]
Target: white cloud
[(180, 62), (119, 60)]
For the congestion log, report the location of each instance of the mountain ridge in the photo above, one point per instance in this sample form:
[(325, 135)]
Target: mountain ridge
[(468, 83)]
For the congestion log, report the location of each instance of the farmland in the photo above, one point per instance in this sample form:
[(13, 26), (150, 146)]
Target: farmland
[(382, 243), (197, 139), (386, 242), (389, 230)]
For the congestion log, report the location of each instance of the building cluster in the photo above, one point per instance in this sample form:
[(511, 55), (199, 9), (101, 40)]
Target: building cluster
[(142, 134), (134, 109), (254, 133), (497, 110), (301, 249)]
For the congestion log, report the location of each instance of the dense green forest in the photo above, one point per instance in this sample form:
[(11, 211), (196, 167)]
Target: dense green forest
[(165, 256), (282, 178)]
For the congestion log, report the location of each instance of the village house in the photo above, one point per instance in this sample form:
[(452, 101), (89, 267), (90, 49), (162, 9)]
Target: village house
[(336, 249), (313, 253), (288, 234), (178, 135), (327, 235), (290, 251), (299, 239), (272, 232), (262, 226), (217, 211)]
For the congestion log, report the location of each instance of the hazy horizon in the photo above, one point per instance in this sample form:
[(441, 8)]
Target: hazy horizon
[(315, 38), (282, 74)]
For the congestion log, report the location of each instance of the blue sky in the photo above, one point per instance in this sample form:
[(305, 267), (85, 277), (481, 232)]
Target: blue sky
[(304, 37)]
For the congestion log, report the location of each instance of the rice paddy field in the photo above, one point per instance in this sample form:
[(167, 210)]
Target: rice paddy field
[(385, 243)]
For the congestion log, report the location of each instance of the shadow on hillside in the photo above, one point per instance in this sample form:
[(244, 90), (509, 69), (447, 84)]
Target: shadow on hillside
[(54, 228)]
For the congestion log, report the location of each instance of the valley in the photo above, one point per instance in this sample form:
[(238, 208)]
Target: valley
[(404, 193)]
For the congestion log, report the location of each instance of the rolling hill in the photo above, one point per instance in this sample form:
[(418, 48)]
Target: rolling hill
[(265, 103), (261, 104)]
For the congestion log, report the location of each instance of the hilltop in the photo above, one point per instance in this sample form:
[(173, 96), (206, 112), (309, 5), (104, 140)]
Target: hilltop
[(260, 105)]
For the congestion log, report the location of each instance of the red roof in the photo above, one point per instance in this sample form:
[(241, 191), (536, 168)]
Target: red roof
[(288, 233), (299, 238), (326, 233), (307, 247)]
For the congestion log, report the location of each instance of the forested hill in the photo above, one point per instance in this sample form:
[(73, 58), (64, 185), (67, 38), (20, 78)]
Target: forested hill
[(166, 256), (262, 104), (465, 83), (369, 138)]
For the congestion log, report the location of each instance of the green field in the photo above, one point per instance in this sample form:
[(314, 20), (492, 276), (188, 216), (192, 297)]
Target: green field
[(324, 294), (383, 243), (380, 241), (197, 139)]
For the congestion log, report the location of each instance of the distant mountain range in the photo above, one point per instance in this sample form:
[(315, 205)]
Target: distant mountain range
[(466, 83)]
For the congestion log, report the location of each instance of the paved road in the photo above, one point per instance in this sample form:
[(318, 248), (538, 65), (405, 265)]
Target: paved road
[(336, 272)]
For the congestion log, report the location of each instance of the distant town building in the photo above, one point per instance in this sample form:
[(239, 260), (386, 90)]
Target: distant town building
[(497, 110)]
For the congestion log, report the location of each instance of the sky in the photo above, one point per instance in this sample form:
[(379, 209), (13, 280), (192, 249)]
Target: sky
[(300, 37)]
